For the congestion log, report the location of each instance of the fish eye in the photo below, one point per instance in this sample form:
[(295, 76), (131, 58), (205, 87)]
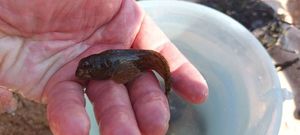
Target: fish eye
[(85, 64)]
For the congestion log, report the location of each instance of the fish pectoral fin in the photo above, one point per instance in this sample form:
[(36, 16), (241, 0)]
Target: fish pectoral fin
[(125, 72)]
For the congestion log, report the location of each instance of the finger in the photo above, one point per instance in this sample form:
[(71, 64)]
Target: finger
[(65, 110), (150, 105), (7, 101), (186, 79), (112, 108)]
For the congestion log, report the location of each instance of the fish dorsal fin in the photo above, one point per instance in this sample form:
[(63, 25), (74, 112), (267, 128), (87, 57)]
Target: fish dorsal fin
[(125, 72)]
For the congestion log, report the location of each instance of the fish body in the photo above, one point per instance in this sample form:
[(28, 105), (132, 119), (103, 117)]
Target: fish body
[(123, 65)]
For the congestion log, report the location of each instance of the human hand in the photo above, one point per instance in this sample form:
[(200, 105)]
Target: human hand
[(41, 43)]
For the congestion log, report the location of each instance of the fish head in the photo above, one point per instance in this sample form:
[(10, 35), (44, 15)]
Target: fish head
[(94, 67)]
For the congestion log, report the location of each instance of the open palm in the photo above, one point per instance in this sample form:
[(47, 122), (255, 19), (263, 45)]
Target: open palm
[(41, 43)]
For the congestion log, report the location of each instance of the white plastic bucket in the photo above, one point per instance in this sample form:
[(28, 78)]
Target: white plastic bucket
[(245, 95)]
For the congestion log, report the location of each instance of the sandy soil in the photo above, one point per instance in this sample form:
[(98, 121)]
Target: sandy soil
[(28, 119)]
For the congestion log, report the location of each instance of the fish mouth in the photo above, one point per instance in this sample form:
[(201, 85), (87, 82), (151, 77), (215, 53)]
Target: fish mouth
[(82, 74)]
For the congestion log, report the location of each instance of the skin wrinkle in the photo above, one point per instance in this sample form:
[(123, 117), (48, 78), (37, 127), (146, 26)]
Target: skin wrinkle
[(56, 78), (48, 49), (57, 63), (2, 61), (57, 13), (70, 16), (116, 22), (100, 29), (50, 71), (31, 89), (149, 96), (108, 20), (7, 19), (2, 22), (141, 99), (141, 14), (109, 114), (180, 60), (10, 27), (157, 119), (139, 28), (2, 34), (114, 108), (66, 105), (68, 12), (69, 85), (122, 117), (150, 37), (42, 80), (18, 53), (115, 16), (85, 16), (19, 63), (11, 54), (114, 91)]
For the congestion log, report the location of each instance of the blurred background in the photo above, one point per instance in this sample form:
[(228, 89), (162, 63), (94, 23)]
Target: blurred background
[(275, 23)]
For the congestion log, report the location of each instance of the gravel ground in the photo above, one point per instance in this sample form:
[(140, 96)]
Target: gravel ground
[(28, 119)]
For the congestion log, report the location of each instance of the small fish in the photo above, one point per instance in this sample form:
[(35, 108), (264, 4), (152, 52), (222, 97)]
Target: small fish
[(123, 65)]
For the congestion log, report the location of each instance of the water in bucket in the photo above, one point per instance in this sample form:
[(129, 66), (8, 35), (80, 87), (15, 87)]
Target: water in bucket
[(244, 91)]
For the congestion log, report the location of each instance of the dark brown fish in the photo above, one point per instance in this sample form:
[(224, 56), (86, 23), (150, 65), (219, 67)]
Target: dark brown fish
[(123, 66)]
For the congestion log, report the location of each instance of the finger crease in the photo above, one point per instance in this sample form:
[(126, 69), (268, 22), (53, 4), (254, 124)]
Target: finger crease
[(149, 97)]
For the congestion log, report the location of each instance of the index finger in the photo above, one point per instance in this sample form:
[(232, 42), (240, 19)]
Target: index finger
[(186, 79)]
